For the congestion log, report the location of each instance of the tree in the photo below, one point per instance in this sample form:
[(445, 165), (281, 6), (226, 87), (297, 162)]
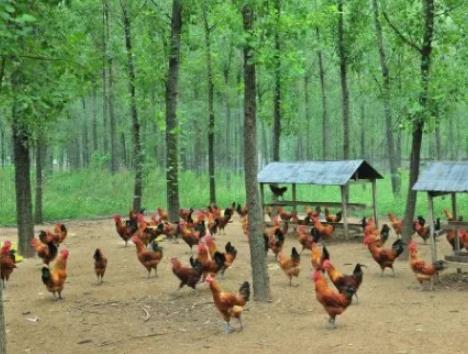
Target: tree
[(137, 153), (323, 96), (211, 116), (386, 101), (171, 112), (277, 86), (261, 285)]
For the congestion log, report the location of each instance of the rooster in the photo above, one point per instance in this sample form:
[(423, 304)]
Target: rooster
[(192, 236), (46, 251), (304, 238), (325, 231), (312, 214), (424, 272), (278, 191), (317, 255), (148, 258), (7, 262), (343, 281), (186, 215), (162, 214), (333, 218), (125, 230), (189, 276), (419, 226), (290, 265), (54, 280), (210, 264), (100, 264), (229, 256), (334, 303), (274, 240), (384, 257), (241, 211), (229, 304)]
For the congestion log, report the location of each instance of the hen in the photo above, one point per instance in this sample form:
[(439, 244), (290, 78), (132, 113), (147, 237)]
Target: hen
[(343, 281), (325, 231), (7, 262), (424, 272), (148, 258), (125, 230), (100, 264), (210, 264), (333, 218), (397, 224), (54, 280), (229, 257), (277, 191), (334, 303), (46, 251), (290, 265), (229, 304)]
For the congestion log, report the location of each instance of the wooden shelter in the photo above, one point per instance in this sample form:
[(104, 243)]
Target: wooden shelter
[(438, 179), (339, 173)]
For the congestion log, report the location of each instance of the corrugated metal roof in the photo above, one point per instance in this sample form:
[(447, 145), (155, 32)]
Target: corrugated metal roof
[(317, 172), (447, 176)]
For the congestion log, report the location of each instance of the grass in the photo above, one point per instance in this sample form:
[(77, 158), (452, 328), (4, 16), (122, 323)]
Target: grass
[(91, 193)]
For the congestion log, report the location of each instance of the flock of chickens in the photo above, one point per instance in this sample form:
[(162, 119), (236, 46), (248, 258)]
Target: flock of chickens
[(199, 227)]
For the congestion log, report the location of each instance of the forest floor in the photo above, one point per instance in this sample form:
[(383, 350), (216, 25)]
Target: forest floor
[(393, 315)]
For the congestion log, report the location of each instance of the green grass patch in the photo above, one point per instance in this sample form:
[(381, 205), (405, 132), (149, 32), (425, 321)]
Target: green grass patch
[(91, 193)]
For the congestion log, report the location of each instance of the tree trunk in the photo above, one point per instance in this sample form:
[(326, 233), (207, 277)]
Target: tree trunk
[(277, 88), (84, 141), (308, 149), (418, 123), (137, 151), (363, 131), (2, 145), (395, 179), (40, 156), (171, 113), (342, 52), (325, 130), (261, 287), (227, 104), (94, 124), (211, 117), (438, 143), (24, 217), (104, 76), (110, 97)]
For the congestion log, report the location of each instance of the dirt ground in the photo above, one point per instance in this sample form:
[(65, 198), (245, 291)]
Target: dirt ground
[(393, 316)]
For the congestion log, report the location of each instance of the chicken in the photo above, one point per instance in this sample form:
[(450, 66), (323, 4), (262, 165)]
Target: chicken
[(285, 216), (379, 237), (186, 215), (324, 230), (162, 214), (171, 230), (189, 276), (419, 226), (7, 262), (192, 236), (304, 238), (245, 226), (384, 257), (397, 224), (241, 211), (311, 214), (57, 235), (274, 240), (277, 191), (290, 265), (210, 264), (46, 251), (333, 218), (448, 215), (100, 264), (229, 304), (424, 272), (334, 303), (343, 281), (54, 280), (229, 257), (148, 258), (125, 229), (317, 255)]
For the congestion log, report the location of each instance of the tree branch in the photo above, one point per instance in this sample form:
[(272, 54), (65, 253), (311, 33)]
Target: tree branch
[(34, 57), (400, 34)]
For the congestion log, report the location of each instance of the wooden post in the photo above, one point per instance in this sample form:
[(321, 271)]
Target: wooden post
[(454, 206), (431, 226), (374, 204), (345, 212), (455, 217), (262, 201), (293, 189)]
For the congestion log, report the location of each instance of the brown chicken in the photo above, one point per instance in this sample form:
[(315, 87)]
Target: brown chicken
[(7, 262), (148, 258), (46, 251), (448, 215), (333, 218), (334, 303), (317, 255), (384, 257), (419, 226), (189, 276), (125, 229), (186, 215), (305, 238), (325, 231), (290, 265), (162, 214), (191, 236), (397, 224), (210, 264), (54, 280), (424, 272), (229, 257), (343, 281), (242, 211), (100, 264), (229, 304), (312, 214)]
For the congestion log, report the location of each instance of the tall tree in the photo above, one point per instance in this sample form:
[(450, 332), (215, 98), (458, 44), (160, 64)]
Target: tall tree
[(261, 285), (342, 53), (323, 95), (395, 179), (172, 167), (211, 116), (40, 157), (277, 86), (137, 152)]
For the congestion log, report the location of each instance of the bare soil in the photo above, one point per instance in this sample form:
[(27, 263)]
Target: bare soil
[(129, 313)]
